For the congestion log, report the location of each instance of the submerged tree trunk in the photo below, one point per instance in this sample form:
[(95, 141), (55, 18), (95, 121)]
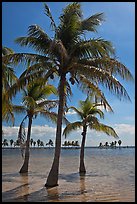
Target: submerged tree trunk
[(82, 169), (24, 168), (52, 179)]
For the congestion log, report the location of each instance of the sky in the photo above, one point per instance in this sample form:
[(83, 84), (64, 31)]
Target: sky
[(118, 27)]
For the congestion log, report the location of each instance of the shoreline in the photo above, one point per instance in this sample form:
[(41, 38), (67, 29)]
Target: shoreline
[(73, 147)]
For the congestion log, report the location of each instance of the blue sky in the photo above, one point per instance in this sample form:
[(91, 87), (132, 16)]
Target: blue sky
[(119, 28)]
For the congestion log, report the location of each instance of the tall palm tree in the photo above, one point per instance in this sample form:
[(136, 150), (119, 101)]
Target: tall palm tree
[(8, 79), (74, 59), (34, 103), (87, 113)]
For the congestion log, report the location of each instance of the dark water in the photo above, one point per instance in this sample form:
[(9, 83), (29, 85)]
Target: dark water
[(110, 176)]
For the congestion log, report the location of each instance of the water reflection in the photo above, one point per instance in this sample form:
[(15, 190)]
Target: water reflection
[(83, 188), (24, 190), (53, 194)]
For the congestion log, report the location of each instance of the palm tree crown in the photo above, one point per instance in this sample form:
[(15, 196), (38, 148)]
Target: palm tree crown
[(87, 61), (87, 113)]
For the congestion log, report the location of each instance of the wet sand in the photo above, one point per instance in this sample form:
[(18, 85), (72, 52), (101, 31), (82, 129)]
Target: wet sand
[(110, 176)]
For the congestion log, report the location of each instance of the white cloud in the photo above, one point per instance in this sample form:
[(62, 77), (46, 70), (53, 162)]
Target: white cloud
[(8, 131), (126, 133), (71, 112), (123, 129)]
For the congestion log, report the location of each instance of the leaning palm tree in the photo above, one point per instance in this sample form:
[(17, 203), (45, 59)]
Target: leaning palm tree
[(87, 113), (34, 103), (88, 63), (8, 79)]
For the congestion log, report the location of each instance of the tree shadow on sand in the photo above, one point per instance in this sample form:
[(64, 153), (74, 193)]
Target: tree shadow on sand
[(55, 194)]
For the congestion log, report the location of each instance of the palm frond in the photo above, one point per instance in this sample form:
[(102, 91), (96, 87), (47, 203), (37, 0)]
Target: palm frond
[(72, 126), (97, 75), (48, 104), (29, 102), (50, 116), (6, 51), (7, 109), (79, 112), (91, 23), (19, 109), (91, 89), (48, 13), (104, 128), (8, 76), (94, 111), (88, 49), (111, 65), (69, 28), (18, 58)]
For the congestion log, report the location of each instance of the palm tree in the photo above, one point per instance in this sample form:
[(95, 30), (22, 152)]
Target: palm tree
[(34, 143), (8, 79), (34, 103), (112, 144), (75, 60), (65, 143), (115, 143), (31, 142), (11, 142), (87, 113), (119, 142), (50, 143), (106, 144), (38, 142), (5, 142), (41, 143)]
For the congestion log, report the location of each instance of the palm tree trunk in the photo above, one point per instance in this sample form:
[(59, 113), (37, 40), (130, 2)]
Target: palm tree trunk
[(52, 179), (24, 168), (82, 168)]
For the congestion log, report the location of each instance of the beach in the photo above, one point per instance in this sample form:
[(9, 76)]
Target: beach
[(110, 176)]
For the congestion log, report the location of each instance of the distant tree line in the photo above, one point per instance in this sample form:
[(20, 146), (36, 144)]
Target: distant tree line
[(70, 143), (112, 144), (38, 143)]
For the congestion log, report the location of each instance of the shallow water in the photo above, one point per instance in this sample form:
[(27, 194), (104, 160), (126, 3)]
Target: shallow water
[(110, 176)]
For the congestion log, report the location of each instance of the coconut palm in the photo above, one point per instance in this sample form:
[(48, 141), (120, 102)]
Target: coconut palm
[(87, 112), (34, 103), (38, 142), (11, 142), (74, 59), (119, 142), (50, 143), (31, 142), (34, 143), (5, 142), (8, 79), (41, 143)]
